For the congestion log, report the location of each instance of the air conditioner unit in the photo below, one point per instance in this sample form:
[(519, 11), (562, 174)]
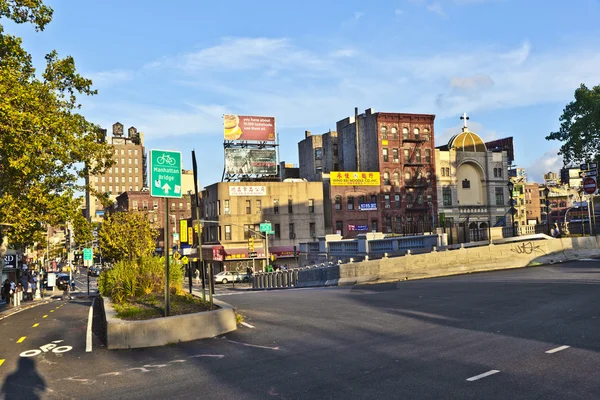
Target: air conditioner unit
[(387, 206), (292, 236)]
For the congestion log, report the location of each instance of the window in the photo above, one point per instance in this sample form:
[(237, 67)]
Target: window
[(129, 151), (277, 231), (394, 133), (275, 206), (292, 232), (96, 179), (137, 179), (404, 133), (499, 172), (428, 156), (361, 200), (181, 205), (335, 150), (426, 134), (373, 198), (227, 232), (445, 171), (447, 196), (388, 224), (395, 155), (103, 189), (122, 170), (137, 188), (258, 206), (188, 205), (122, 188), (338, 202), (385, 155), (418, 155), (218, 207), (397, 200), (130, 179), (135, 152), (318, 153), (466, 184), (406, 155), (386, 178), (155, 204), (409, 198), (122, 152), (319, 170), (116, 179), (374, 225), (416, 133), (384, 132), (137, 170), (290, 206), (123, 161), (420, 199), (407, 176), (350, 203), (312, 229), (499, 196), (248, 206), (145, 204), (135, 161), (339, 227), (386, 198), (129, 169), (311, 205), (396, 178)]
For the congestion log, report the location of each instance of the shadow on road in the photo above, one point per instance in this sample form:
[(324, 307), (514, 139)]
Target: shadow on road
[(25, 382)]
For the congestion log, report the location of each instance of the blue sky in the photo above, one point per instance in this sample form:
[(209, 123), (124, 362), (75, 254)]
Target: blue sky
[(172, 69)]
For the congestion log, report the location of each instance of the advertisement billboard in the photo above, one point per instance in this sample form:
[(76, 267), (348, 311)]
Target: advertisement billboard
[(355, 178), (243, 127), (250, 161)]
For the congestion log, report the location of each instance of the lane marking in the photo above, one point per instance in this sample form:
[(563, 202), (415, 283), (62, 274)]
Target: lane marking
[(557, 349), (208, 355), (2, 361), (21, 339), (252, 345), (51, 310), (45, 316), (247, 325), (88, 335), (474, 378), (35, 325)]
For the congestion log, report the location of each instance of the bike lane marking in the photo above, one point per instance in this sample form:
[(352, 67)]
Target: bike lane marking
[(45, 316), (35, 325), (1, 361), (21, 339)]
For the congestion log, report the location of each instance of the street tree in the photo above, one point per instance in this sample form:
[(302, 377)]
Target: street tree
[(580, 127), (45, 142), (127, 235)]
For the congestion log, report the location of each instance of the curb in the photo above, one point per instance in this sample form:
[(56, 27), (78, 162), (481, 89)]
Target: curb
[(12, 311)]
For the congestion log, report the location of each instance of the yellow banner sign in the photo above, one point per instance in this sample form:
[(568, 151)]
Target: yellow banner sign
[(355, 178), (183, 231), (190, 235)]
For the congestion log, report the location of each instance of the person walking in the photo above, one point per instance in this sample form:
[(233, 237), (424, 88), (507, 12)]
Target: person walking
[(197, 276)]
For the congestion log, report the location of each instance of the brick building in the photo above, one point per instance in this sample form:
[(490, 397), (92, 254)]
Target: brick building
[(533, 203), (401, 148)]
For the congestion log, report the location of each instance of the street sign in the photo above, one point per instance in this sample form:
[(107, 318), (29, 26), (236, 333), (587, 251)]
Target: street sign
[(588, 166), (165, 173), (88, 254), (185, 260), (176, 255), (593, 172), (265, 227), (589, 185), (252, 254)]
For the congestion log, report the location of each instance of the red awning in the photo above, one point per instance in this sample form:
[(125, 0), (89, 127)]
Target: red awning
[(277, 251), (212, 252)]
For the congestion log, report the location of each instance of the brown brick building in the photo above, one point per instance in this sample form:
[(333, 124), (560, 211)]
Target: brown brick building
[(401, 148), (532, 203)]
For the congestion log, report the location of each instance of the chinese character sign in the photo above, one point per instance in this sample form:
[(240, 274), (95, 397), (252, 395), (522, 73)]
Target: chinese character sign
[(355, 178)]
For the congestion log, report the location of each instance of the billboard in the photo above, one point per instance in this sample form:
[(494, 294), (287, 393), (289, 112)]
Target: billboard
[(250, 161), (354, 178), (243, 127)]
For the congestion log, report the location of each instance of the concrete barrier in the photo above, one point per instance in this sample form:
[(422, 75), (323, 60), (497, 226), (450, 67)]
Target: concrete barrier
[(452, 262), (121, 334)]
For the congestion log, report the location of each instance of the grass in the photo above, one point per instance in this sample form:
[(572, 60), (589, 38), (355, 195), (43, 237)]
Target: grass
[(152, 306)]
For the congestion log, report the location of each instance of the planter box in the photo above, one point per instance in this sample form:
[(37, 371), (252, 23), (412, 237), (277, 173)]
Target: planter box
[(121, 334)]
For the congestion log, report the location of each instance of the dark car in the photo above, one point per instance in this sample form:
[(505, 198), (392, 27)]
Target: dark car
[(94, 271), (62, 280)]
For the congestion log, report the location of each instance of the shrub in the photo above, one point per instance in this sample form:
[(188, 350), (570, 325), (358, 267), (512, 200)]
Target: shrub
[(131, 279)]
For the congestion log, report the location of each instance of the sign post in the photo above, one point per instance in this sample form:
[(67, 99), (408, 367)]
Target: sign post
[(165, 182), (265, 228)]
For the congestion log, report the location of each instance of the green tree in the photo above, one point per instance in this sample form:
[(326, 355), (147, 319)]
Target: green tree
[(44, 141), (82, 229), (580, 127), (127, 236)]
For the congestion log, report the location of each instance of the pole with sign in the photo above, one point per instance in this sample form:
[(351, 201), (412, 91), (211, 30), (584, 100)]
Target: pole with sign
[(265, 228), (165, 182)]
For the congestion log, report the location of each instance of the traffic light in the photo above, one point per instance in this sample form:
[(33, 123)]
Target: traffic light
[(251, 244)]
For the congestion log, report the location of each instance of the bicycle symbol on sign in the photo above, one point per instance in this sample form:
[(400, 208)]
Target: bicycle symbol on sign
[(46, 348), (165, 158)]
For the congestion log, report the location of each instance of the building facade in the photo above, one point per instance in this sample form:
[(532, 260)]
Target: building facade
[(472, 183), (533, 203), (233, 213), (127, 174)]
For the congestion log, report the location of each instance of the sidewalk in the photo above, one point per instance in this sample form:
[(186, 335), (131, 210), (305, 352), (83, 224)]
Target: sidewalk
[(7, 310)]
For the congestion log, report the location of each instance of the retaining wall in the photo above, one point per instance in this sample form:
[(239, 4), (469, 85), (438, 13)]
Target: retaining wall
[(121, 334), (452, 262)]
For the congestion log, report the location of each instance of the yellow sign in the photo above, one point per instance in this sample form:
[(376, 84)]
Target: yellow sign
[(176, 255), (354, 178), (185, 260), (384, 142), (190, 235), (183, 232)]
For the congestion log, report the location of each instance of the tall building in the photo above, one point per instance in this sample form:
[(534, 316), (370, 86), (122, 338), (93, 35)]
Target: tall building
[(233, 210), (533, 203), (128, 172), (551, 179), (399, 148), (472, 182)]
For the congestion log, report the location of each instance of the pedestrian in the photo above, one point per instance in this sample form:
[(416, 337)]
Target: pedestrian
[(197, 276), (6, 291)]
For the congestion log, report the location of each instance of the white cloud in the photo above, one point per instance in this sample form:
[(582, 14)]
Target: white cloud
[(108, 78), (550, 161), (442, 138), (436, 8), (471, 83)]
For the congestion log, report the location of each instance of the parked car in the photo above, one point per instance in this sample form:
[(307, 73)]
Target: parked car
[(231, 276), (94, 271)]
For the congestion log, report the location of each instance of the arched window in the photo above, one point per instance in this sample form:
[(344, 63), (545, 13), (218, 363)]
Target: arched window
[(426, 134), (338, 202), (394, 133), (396, 178), (384, 132), (417, 133), (407, 176), (405, 133), (386, 178)]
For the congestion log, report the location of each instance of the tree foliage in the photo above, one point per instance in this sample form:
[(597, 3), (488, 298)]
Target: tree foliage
[(580, 127), (127, 236), (44, 142)]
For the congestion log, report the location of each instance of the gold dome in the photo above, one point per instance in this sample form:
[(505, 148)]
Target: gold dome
[(467, 141)]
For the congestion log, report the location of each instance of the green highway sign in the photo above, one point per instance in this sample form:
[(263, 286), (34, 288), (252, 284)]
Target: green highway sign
[(265, 227), (88, 255), (165, 173)]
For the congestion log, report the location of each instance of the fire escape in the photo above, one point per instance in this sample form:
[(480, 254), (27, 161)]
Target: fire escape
[(415, 187)]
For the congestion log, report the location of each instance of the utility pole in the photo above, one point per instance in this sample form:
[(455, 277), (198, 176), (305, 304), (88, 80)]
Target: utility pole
[(166, 253), (199, 227)]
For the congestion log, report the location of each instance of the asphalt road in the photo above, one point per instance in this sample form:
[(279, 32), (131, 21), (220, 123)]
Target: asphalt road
[(498, 335)]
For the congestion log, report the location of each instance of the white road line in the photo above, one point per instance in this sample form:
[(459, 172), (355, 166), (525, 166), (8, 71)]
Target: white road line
[(247, 325), (474, 378), (88, 336), (252, 345), (557, 349)]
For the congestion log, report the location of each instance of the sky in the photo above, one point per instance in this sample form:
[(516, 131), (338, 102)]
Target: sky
[(172, 69)]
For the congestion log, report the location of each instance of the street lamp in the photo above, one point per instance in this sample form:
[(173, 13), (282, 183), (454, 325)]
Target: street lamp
[(546, 193), (511, 187)]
